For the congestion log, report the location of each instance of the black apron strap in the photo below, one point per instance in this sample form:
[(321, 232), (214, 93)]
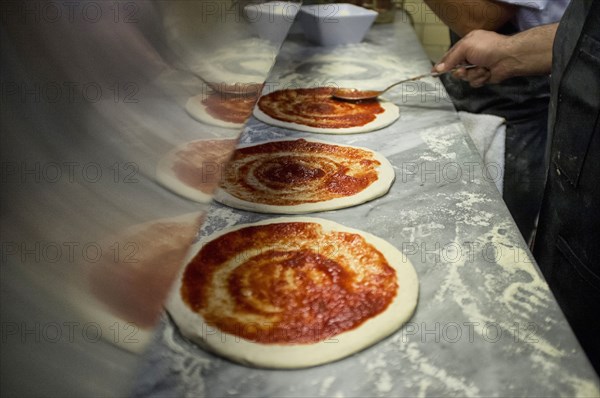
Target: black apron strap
[(567, 245)]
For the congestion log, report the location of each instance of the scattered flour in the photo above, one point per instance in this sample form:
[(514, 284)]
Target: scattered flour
[(423, 388), (439, 142), (524, 299), (379, 362), (220, 217), (361, 66), (458, 385), (326, 384), (467, 210), (384, 384), (190, 367), (580, 387)]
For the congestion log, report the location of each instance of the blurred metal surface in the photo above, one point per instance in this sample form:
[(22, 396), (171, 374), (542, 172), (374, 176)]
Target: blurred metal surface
[(93, 94)]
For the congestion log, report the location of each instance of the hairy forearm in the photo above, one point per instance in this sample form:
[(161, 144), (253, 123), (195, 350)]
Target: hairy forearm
[(531, 51), (464, 16)]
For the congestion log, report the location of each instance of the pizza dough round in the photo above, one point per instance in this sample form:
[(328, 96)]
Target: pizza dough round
[(264, 183), (245, 61), (316, 104), (309, 348), (196, 109), (194, 169)]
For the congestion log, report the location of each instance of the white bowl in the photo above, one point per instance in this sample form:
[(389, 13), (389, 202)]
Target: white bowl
[(272, 20), (335, 24)]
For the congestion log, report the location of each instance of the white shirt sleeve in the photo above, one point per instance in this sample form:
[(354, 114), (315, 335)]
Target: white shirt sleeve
[(535, 4), (537, 12)]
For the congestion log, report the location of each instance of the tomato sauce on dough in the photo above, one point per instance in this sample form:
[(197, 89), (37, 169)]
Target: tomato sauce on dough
[(315, 107), (286, 173), (293, 283), (228, 107)]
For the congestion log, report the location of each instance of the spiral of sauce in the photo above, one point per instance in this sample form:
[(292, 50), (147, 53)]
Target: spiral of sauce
[(295, 172), (288, 283), (315, 107), (229, 107)]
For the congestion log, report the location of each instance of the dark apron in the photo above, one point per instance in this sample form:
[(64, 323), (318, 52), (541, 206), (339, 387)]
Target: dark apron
[(567, 245), (523, 102)]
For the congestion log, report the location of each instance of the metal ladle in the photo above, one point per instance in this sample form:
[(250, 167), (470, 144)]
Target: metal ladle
[(352, 94)]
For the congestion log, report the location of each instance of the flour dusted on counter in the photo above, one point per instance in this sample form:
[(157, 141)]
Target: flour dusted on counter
[(527, 296), (220, 217), (467, 209), (439, 143), (468, 199), (326, 384), (422, 365), (385, 383), (423, 388), (512, 284), (454, 285), (362, 66), (579, 387), (471, 215), (191, 367), (377, 363)]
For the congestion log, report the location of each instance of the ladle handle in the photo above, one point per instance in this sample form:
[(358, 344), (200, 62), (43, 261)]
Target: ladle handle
[(432, 74)]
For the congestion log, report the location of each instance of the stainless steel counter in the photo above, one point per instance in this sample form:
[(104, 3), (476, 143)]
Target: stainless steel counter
[(486, 323)]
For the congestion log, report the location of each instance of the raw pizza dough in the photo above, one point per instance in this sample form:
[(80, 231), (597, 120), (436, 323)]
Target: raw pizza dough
[(316, 107), (302, 275), (275, 178), (246, 61), (194, 169)]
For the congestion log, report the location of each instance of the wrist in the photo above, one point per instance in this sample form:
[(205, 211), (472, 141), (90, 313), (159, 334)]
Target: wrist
[(506, 63), (531, 51)]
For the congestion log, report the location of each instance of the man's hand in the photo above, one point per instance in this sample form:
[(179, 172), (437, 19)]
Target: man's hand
[(487, 50), (500, 57)]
